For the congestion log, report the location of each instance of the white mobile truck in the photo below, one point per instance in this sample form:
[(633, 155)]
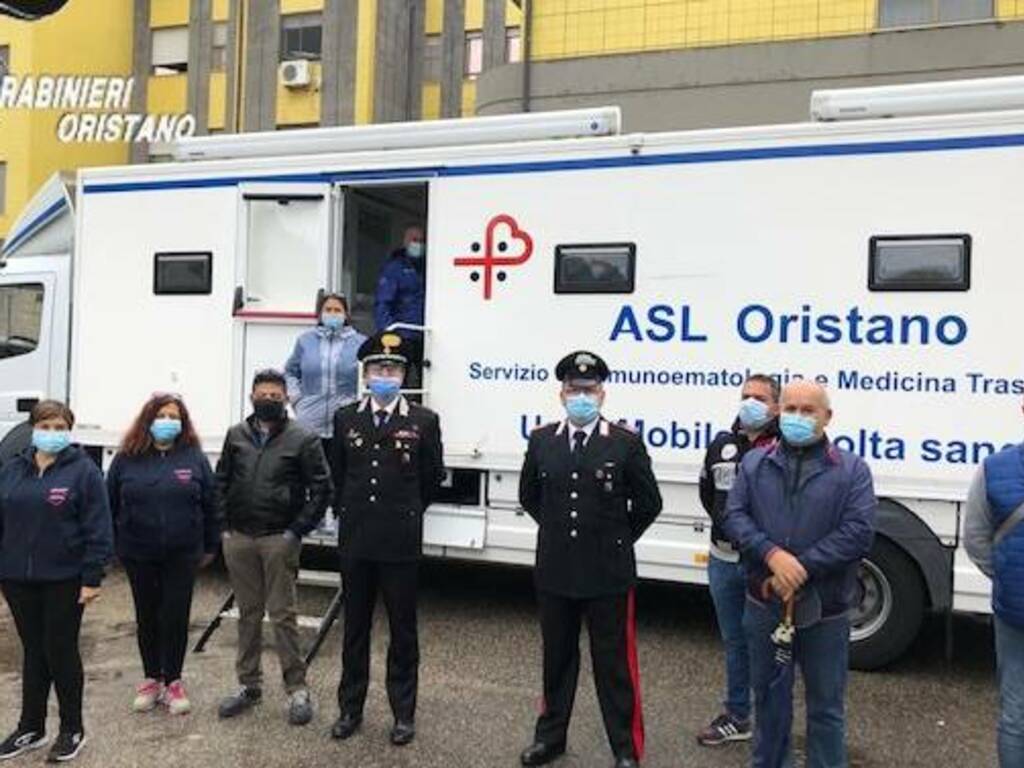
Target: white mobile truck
[(882, 257)]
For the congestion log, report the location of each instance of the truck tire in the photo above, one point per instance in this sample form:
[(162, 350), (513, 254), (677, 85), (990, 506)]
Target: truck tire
[(891, 607), (15, 441)]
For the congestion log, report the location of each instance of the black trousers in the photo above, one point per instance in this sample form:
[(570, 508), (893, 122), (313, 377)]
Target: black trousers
[(397, 583), (162, 591), (611, 625), (48, 618)]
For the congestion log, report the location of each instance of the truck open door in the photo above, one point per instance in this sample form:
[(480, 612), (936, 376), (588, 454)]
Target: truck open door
[(284, 259)]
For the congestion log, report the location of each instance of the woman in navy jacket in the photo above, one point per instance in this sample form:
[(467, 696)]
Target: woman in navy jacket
[(162, 496), (55, 538)]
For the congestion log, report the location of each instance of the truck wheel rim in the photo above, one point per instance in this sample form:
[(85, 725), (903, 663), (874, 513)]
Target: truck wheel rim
[(875, 605)]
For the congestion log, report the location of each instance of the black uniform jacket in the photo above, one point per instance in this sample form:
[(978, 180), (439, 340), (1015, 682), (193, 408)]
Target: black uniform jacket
[(385, 479), (590, 509)]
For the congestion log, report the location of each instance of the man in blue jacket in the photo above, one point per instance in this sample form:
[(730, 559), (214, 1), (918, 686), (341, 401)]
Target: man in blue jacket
[(401, 286), (802, 514), (994, 539)]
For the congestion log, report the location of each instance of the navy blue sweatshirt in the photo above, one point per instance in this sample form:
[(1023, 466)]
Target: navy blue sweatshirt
[(56, 526), (164, 504)]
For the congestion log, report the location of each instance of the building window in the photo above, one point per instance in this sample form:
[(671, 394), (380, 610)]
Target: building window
[(473, 63), (513, 45), (432, 58), (21, 318), (5, 60), (170, 51), (219, 61), (3, 187), (301, 36), (910, 13)]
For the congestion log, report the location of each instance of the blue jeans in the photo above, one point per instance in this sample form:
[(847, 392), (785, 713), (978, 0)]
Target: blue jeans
[(1010, 671), (821, 652), (728, 584)]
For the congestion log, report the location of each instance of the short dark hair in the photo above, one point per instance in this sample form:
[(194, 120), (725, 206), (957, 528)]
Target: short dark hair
[(51, 409), (323, 298), (269, 376), (771, 381)]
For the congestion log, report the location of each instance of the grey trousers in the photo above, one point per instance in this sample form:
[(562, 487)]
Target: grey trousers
[(263, 574)]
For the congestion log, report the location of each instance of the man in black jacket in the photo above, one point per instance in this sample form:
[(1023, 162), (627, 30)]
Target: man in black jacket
[(755, 426), (274, 485), (588, 483), (388, 467)]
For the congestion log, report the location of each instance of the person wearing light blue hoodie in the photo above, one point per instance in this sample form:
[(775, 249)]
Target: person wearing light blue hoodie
[(322, 371)]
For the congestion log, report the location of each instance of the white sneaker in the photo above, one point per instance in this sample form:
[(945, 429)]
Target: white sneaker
[(147, 694)]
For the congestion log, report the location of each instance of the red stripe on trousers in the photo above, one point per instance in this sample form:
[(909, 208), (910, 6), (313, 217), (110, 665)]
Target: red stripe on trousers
[(634, 674)]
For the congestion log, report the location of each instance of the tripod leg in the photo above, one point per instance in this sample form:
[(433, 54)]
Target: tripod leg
[(212, 627)]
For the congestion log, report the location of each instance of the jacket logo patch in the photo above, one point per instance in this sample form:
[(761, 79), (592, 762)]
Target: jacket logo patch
[(729, 451), (57, 496), (183, 475)]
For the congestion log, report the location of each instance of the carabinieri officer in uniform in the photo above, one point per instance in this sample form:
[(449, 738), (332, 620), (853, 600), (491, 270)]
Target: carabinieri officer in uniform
[(388, 467), (588, 483)]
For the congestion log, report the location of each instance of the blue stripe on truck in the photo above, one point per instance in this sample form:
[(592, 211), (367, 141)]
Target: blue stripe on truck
[(549, 166), (34, 226)]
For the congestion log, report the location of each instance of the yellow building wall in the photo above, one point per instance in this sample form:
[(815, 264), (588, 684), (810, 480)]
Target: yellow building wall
[(300, 106), (434, 14), (167, 13), (55, 46), (167, 94), (1010, 9), (564, 28), (220, 10), (301, 6), (218, 101), (366, 55)]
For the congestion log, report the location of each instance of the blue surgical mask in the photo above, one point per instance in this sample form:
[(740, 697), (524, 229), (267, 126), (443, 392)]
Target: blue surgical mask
[(384, 388), (582, 409), (415, 249), (798, 430), (753, 414), (165, 430), (332, 321), (51, 440)]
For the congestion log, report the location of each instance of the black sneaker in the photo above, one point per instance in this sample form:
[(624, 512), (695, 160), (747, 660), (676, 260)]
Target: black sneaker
[(237, 703), (723, 729), (20, 742), (66, 747)]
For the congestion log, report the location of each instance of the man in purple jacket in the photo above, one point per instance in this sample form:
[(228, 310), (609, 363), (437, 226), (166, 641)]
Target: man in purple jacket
[(802, 515)]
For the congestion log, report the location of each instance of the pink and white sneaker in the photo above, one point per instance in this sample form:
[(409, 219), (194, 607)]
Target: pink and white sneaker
[(147, 694), (176, 699)]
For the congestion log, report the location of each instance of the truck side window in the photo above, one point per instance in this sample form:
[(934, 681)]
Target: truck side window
[(597, 268), (21, 318), (919, 263), (180, 273)]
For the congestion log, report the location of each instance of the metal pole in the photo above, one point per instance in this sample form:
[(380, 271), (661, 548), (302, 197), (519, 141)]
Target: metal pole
[(527, 45)]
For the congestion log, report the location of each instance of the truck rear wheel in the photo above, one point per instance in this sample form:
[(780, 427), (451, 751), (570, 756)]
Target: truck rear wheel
[(888, 614)]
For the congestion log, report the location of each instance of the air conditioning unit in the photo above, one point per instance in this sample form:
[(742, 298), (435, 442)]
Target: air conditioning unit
[(295, 73)]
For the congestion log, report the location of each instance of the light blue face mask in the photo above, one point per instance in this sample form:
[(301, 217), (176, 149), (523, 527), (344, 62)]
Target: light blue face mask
[(51, 440), (753, 414), (332, 321), (798, 430), (384, 388), (582, 409), (165, 430), (415, 249)]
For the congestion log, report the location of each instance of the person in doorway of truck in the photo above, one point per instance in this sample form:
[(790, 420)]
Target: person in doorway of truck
[(401, 297), (755, 426), (162, 497), (322, 371), (55, 538), (273, 485), (802, 515), (994, 540)]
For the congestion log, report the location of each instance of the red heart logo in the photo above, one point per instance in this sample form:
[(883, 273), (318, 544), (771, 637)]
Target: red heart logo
[(505, 245)]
